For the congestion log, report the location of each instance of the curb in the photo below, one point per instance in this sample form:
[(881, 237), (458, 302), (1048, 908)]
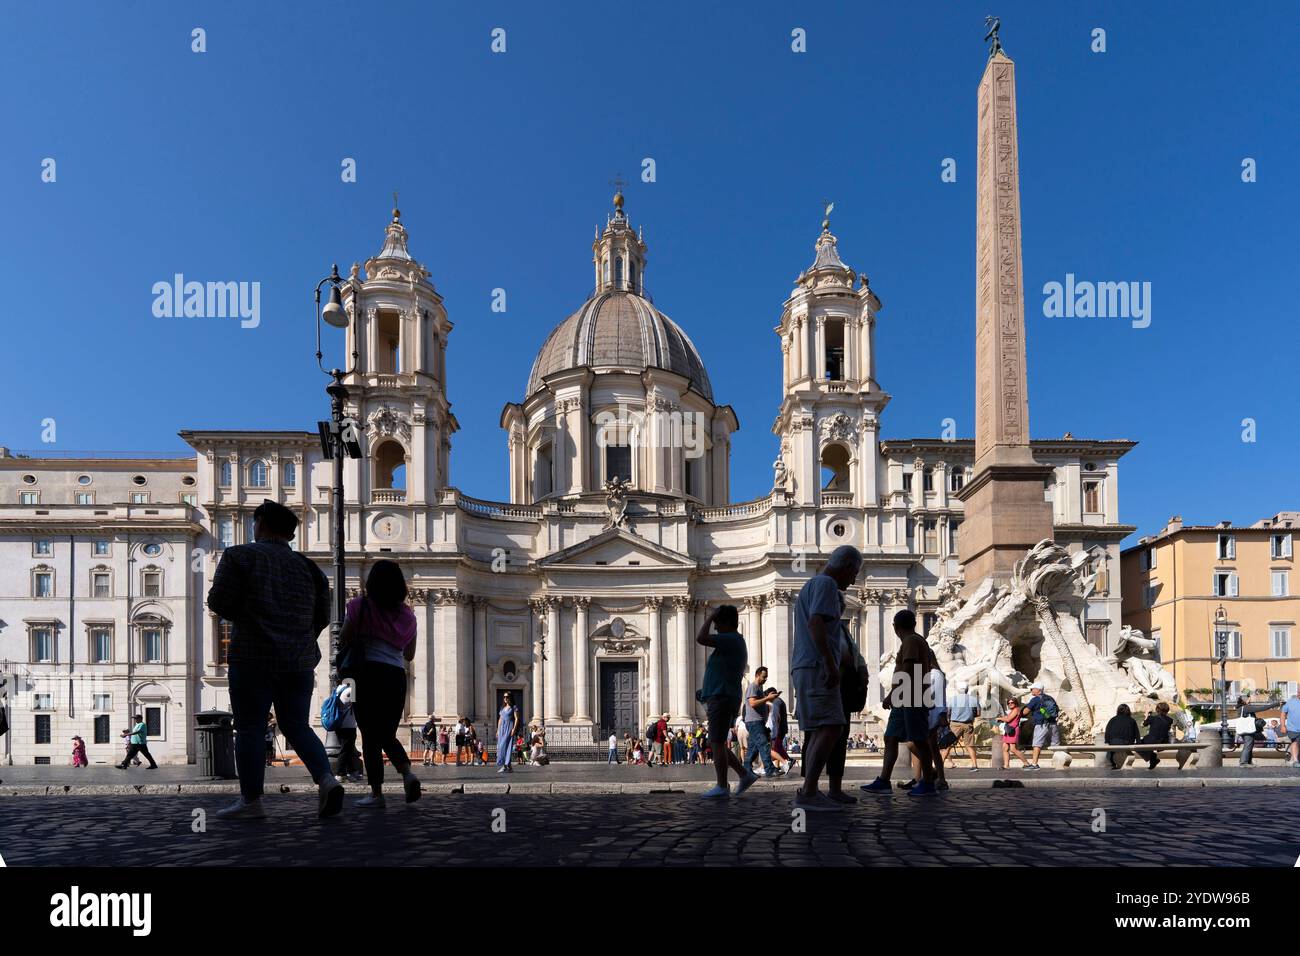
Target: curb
[(639, 789)]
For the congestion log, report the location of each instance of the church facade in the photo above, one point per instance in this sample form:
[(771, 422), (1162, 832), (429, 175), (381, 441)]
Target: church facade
[(583, 593)]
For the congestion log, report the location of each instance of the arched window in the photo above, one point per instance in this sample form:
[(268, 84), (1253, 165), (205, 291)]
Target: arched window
[(389, 461), (835, 469), (257, 474), (290, 474), (226, 472), (542, 480), (618, 273), (604, 269), (631, 276)]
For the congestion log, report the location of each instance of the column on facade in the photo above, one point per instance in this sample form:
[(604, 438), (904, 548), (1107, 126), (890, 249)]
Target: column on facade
[(464, 655), (654, 655), (552, 688), (581, 661), (755, 631), (850, 348), (819, 349), (580, 427), (560, 449), (482, 705), (810, 469), (683, 686), (536, 609), (776, 640), (800, 347), (699, 651)]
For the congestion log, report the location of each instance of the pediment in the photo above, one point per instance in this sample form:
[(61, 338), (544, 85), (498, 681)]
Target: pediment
[(616, 548)]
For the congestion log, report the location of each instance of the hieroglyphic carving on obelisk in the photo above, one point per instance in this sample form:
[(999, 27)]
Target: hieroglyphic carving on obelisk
[(1002, 406), (1005, 510)]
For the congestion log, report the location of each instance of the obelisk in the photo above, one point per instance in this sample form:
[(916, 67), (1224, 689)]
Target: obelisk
[(1006, 513)]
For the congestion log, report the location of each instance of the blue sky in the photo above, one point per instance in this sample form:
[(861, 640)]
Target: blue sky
[(225, 166)]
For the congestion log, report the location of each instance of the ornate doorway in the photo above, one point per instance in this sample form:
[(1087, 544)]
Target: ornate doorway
[(619, 698)]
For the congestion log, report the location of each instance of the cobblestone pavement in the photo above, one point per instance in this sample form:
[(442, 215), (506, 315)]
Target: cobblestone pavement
[(1143, 827)]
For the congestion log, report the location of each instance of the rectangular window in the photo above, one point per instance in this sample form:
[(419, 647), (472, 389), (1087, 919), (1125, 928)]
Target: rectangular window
[(226, 532), (956, 479), (907, 482), (102, 703), (1097, 635), (152, 584), (931, 536), (28, 498), (953, 528), (1225, 584), (101, 645), (1234, 644), (1092, 497), (618, 462), (911, 535), (290, 474), (153, 721), (1281, 641), (102, 728), (1227, 547), (1280, 546), (1281, 583), (99, 584), (85, 498), (43, 547), (139, 497), (42, 701), (927, 479), (44, 584), (1283, 688), (42, 645), (100, 549), (151, 648), (927, 621), (1148, 559), (43, 730), (693, 477), (189, 498)]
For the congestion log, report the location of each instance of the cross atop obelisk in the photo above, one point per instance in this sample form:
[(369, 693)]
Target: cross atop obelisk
[(1005, 510)]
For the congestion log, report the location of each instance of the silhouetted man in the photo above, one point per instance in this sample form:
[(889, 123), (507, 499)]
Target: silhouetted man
[(278, 602)]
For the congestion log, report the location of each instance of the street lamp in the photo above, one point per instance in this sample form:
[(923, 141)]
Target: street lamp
[(1221, 652), (338, 440)]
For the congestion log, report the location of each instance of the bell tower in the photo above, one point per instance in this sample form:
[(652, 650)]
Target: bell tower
[(829, 418), (398, 393), (619, 254)]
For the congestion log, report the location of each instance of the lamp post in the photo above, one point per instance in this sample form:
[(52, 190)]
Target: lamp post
[(338, 440), (1221, 651)]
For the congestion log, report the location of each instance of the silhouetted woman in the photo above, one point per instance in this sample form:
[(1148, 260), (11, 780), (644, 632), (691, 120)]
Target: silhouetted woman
[(380, 629)]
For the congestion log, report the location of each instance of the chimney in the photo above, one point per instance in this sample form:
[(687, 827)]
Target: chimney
[(1175, 523)]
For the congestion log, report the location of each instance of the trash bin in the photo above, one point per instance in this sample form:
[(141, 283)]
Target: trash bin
[(215, 743)]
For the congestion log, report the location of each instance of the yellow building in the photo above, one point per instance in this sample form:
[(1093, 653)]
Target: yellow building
[(1176, 581)]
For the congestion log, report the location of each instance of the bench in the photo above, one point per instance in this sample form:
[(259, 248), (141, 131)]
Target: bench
[(1061, 756)]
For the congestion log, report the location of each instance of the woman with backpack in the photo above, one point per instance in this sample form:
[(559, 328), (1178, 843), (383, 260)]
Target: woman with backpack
[(348, 765), (378, 639)]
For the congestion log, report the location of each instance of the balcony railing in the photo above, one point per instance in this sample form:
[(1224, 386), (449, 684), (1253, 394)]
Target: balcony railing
[(837, 499), (388, 496)]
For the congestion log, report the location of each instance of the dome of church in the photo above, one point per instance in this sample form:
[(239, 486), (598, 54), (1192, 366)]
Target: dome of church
[(617, 329)]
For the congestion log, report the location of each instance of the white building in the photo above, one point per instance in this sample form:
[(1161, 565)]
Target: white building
[(582, 598)]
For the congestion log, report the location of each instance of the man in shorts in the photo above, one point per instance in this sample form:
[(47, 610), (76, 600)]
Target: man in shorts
[(720, 695), (962, 711), (1291, 726), (908, 714), (815, 662)]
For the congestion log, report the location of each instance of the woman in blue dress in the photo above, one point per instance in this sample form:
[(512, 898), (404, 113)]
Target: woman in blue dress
[(507, 728)]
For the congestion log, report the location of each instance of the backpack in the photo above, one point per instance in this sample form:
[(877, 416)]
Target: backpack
[(651, 730), (1047, 707), (331, 711)]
